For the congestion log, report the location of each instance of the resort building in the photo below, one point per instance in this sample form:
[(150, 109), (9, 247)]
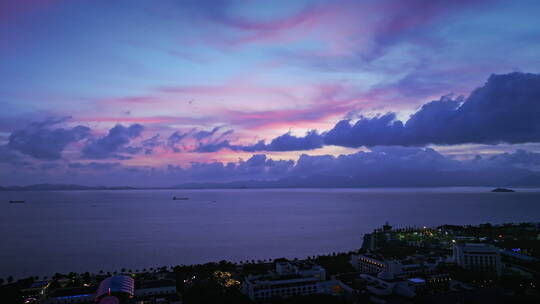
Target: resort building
[(368, 263), (478, 257), (35, 291), (153, 288), (291, 279), (120, 287), (414, 266), (404, 268), (71, 295), (382, 285)]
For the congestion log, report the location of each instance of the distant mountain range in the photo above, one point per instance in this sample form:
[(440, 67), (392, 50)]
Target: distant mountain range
[(57, 187), (360, 182), (532, 180)]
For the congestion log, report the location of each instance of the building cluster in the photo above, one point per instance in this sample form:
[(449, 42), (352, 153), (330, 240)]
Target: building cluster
[(115, 289), (291, 279), (478, 257), (387, 271), (393, 266), (422, 272)]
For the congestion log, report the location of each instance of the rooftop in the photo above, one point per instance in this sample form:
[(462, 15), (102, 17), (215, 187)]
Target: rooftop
[(155, 284), (72, 292), (116, 284)]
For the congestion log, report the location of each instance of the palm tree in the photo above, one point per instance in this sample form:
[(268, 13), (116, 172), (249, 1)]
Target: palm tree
[(9, 279)]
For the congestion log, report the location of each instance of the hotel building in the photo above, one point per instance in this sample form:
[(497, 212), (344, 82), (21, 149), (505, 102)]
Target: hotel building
[(291, 279), (478, 257)]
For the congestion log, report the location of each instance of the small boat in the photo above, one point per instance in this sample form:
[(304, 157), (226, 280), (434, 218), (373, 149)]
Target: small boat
[(16, 202), (177, 198), (502, 190)]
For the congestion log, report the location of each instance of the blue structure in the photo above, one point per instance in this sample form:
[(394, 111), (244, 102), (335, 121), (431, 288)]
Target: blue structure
[(119, 286)]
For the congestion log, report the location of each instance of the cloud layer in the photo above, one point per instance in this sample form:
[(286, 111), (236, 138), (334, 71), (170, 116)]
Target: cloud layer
[(43, 141), (382, 166), (505, 110), (114, 144)]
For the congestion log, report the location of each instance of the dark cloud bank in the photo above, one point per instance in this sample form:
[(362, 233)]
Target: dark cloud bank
[(505, 110), (114, 144), (381, 167), (40, 141)]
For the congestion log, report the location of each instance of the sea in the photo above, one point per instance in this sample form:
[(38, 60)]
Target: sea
[(79, 231)]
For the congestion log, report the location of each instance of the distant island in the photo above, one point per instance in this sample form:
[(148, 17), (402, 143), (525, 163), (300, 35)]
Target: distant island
[(502, 190)]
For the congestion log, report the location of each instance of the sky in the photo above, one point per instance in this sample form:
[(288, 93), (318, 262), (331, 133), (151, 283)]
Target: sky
[(160, 93)]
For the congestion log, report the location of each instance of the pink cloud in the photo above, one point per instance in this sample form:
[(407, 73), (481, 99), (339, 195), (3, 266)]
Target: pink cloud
[(247, 108), (341, 28)]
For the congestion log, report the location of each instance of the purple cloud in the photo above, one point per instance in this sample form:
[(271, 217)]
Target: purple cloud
[(285, 142), (93, 165), (114, 144), (12, 157), (42, 141), (505, 110), (382, 166), (200, 135), (174, 139), (149, 144)]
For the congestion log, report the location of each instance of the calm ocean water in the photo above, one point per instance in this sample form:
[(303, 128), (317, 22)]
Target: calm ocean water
[(62, 231)]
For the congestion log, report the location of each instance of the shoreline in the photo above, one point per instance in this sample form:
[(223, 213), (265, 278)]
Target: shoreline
[(139, 270)]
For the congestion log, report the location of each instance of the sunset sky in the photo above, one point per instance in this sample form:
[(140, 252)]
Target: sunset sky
[(152, 93)]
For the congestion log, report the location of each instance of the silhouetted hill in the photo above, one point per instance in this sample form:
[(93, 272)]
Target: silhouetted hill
[(417, 178), (409, 178), (57, 187)]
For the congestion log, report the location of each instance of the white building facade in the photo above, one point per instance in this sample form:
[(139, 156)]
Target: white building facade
[(290, 279), (410, 267), (478, 257), (367, 263)]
